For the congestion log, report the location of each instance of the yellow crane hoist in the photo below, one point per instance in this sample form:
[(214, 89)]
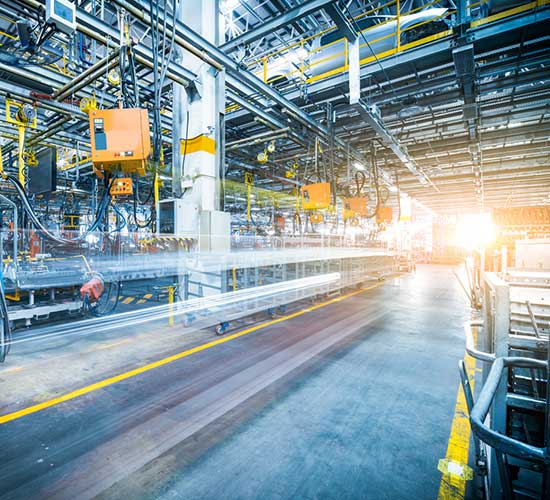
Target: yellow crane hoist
[(23, 116)]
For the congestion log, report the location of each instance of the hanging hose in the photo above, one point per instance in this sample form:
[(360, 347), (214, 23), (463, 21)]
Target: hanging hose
[(5, 331), (377, 190), (40, 227), (398, 198), (360, 184)]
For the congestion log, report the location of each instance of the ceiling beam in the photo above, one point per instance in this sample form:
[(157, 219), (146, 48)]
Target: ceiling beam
[(269, 27)]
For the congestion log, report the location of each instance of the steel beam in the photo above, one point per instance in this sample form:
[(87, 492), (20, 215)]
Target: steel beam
[(372, 117), (276, 23), (344, 25)]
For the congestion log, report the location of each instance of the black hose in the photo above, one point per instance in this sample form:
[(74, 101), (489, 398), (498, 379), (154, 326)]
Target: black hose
[(5, 333), (398, 198), (360, 184), (40, 227), (377, 190), (95, 311)]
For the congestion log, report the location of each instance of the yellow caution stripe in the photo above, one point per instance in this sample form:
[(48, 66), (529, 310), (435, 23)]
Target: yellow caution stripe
[(200, 143), (454, 467)]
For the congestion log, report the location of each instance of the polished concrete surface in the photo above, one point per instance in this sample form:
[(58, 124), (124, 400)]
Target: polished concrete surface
[(351, 400)]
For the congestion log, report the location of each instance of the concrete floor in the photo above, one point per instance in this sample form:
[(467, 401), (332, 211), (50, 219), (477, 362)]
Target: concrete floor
[(353, 400)]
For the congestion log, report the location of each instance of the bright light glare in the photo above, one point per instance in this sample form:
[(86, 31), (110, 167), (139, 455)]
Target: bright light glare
[(297, 55), (475, 231), (359, 166), (392, 189), (229, 5)]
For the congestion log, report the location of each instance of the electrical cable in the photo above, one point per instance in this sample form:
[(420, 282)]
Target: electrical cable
[(377, 190), (186, 141), (5, 333), (135, 202), (398, 197), (95, 311), (40, 227), (360, 185)]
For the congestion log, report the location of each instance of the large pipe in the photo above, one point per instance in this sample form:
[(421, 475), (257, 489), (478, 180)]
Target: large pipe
[(86, 77), (254, 139), (27, 95)]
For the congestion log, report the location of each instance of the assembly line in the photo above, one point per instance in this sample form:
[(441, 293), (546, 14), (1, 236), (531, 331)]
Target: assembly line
[(274, 249)]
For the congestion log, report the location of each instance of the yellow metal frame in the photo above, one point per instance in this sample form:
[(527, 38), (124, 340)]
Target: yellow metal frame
[(21, 129)]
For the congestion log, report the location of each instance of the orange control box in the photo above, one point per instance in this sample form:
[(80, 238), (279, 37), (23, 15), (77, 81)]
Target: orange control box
[(316, 196), (384, 215), (120, 139), (121, 186), (356, 205)]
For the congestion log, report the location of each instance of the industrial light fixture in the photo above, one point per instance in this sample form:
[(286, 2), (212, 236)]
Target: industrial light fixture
[(358, 166), (392, 189)]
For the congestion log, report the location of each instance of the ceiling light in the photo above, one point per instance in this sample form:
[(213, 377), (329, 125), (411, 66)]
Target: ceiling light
[(358, 166), (393, 189)]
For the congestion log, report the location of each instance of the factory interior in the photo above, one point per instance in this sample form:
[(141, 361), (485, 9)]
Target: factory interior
[(275, 249)]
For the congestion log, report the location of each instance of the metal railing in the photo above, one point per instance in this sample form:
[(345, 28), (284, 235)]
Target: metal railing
[(266, 66), (505, 446)]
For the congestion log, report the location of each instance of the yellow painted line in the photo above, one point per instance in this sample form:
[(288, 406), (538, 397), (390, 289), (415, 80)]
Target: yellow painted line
[(11, 370), (147, 295), (456, 471), (141, 301), (112, 344), (128, 300), (151, 366)]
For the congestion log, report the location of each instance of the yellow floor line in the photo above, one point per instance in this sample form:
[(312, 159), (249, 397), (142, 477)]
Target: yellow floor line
[(113, 344), (137, 371), (11, 370), (454, 467), (128, 300), (147, 295), (141, 301)]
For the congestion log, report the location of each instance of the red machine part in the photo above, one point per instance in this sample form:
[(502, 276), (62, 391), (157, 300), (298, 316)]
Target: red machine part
[(34, 243), (94, 288)]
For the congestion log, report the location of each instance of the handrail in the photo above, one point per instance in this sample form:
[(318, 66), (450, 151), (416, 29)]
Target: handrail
[(470, 343), (480, 410)]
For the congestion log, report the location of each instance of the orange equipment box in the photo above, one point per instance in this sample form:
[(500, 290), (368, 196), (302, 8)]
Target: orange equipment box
[(120, 139), (121, 186), (315, 196), (357, 205), (384, 215)]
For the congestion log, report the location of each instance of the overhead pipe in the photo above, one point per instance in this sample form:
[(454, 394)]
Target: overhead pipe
[(255, 139), (45, 101), (86, 77), (101, 32)]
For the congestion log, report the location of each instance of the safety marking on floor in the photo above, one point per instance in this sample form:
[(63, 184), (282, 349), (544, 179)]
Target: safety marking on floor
[(112, 344), (128, 300), (141, 301), (156, 364), (11, 370), (147, 295), (454, 466)]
